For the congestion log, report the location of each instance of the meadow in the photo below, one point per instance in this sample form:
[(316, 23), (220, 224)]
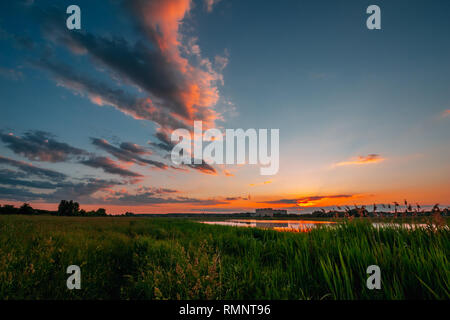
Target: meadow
[(159, 258)]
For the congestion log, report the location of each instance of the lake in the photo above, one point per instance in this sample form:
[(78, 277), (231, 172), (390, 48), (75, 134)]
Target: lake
[(301, 225), (278, 225)]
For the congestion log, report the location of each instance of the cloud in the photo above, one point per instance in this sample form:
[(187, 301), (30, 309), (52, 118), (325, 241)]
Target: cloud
[(17, 194), (102, 94), (9, 177), (166, 145), (78, 191), (155, 190), (40, 146), (203, 167), (178, 87), (446, 113), (306, 201), (228, 173), (134, 148), (109, 166), (260, 183), (210, 3), (19, 41), (55, 185), (127, 152), (156, 196), (32, 170), (371, 158), (84, 190), (237, 198), (11, 74)]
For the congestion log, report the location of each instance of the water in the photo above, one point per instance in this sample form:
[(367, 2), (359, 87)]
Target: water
[(301, 225), (278, 225)]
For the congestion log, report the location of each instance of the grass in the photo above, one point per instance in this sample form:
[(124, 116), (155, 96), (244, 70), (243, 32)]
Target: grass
[(157, 258)]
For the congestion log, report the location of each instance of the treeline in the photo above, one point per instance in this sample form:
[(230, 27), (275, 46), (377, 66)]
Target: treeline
[(65, 208)]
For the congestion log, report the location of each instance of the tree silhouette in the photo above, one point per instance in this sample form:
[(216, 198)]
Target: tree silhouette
[(68, 208), (26, 209)]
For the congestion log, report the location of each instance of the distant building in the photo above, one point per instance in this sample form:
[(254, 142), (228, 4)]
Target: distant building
[(268, 212)]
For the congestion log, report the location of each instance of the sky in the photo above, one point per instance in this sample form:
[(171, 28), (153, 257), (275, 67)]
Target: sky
[(87, 115)]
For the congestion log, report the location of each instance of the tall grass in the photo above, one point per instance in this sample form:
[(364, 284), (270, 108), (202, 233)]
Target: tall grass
[(141, 258)]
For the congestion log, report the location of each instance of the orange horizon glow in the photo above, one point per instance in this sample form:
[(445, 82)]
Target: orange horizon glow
[(234, 206)]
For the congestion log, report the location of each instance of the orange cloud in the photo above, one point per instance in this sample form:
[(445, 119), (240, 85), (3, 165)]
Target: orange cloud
[(446, 113), (228, 173), (199, 91), (260, 183), (371, 158)]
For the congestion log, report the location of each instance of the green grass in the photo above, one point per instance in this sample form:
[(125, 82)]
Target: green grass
[(142, 258)]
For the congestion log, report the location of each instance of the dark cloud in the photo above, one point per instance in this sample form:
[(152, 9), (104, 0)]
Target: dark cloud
[(134, 148), (237, 198), (282, 201), (306, 199), (101, 93), (78, 191), (139, 64), (84, 190), (203, 167), (123, 153), (166, 145), (148, 198), (109, 166), (32, 170), (57, 185), (7, 180), (19, 194), (40, 146), (155, 196)]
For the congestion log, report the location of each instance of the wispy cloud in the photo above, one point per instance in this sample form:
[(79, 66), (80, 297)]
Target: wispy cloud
[(228, 173), (152, 196), (40, 146), (360, 160), (260, 183), (128, 152), (210, 4), (23, 181), (446, 113), (32, 170), (203, 167), (11, 74), (307, 201), (109, 166)]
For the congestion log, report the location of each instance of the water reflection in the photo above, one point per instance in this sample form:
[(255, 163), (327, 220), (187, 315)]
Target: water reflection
[(303, 225), (278, 225)]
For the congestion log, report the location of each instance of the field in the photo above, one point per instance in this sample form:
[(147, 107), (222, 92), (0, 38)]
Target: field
[(158, 258)]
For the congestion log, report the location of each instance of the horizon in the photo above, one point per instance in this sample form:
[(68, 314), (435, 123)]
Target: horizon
[(305, 211)]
